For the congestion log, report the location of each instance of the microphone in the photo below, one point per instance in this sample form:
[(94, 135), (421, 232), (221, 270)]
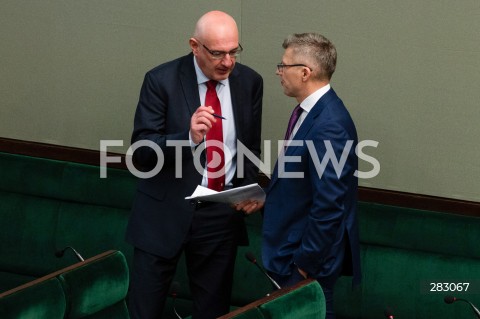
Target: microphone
[(60, 253), (388, 313), (251, 257), (174, 289), (452, 299)]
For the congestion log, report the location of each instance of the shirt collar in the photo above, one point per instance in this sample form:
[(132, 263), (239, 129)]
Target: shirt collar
[(313, 98)]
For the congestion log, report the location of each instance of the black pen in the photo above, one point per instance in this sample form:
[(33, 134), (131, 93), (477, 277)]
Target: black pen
[(219, 116)]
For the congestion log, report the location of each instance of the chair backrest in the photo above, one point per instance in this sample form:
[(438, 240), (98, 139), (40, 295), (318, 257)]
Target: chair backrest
[(304, 300), (39, 299), (94, 288), (99, 286)]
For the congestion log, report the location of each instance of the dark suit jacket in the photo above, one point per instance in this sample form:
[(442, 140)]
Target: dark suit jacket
[(312, 221), (169, 96)]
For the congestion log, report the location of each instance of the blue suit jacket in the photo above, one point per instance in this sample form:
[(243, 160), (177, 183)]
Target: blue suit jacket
[(161, 216), (311, 222)]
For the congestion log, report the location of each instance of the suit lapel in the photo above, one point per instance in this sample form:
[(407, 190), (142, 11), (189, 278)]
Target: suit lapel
[(189, 83), (312, 117), (304, 129), (236, 96)]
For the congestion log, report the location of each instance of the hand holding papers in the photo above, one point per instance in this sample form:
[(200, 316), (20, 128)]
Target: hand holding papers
[(231, 196)]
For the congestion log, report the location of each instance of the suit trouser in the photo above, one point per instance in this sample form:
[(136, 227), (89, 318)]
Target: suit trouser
[(210, 251)]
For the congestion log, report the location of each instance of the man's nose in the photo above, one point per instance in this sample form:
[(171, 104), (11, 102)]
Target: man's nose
[(228, 60)]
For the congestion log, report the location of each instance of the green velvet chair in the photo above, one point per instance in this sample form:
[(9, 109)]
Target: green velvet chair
[(39, 299), (92, 289), (97, 289), (304, 300)]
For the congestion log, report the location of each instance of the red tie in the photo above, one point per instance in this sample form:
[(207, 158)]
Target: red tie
[(214, 142)]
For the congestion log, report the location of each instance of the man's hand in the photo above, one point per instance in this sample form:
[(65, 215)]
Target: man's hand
[(201, 123), (249, 206)]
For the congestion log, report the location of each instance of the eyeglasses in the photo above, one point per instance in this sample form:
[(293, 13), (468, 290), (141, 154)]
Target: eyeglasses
[(220, 55), (281, 66)]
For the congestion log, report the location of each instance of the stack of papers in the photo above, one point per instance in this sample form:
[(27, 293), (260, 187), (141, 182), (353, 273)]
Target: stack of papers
[(231, 196)]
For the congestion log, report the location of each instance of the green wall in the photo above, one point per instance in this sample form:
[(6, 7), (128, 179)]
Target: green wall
[(409, 72)]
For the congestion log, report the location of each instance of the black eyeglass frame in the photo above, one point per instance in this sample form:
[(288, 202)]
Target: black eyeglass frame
[(281, 66), (220, 55)]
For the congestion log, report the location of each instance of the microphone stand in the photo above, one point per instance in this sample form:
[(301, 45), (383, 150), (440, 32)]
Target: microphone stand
[(174, 290), (475, 310), (60, 253), (253, 260), (451, 299)]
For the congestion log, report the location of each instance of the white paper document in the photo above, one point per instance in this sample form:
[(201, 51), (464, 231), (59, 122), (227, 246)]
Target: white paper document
[(231, 196)]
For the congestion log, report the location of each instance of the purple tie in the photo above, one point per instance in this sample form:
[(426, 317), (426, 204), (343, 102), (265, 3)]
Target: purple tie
[(293, 120)]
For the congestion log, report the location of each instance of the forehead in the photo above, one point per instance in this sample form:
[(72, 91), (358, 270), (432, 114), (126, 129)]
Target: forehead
[(222, 39), (288, 55)]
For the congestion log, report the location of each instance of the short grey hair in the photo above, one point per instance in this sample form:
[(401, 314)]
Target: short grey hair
[(317, 50)]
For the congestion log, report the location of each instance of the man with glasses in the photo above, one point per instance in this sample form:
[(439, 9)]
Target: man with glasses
[(310, 224), (202, 100)]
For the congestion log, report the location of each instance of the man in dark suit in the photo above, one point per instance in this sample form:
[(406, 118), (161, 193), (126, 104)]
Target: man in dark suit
[(176, 112), (310, 215)]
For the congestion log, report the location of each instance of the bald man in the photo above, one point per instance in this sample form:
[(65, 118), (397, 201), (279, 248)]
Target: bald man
[(175, 114)]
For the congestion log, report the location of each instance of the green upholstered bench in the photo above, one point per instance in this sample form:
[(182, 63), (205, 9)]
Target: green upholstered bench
[(94, 288), (46, 205), (403, 252)]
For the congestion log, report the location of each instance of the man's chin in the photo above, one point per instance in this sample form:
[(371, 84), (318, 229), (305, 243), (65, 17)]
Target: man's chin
[(222, 77), (287, 93)]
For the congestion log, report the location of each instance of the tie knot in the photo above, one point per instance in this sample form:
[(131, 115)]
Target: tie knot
[(212, 84), (297, 111)]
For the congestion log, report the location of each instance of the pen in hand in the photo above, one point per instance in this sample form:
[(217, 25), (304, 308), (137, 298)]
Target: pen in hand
[(218, 116)]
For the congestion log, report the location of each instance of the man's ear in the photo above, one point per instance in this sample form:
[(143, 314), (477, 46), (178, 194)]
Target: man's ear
[(306, 73), (193, 45)]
